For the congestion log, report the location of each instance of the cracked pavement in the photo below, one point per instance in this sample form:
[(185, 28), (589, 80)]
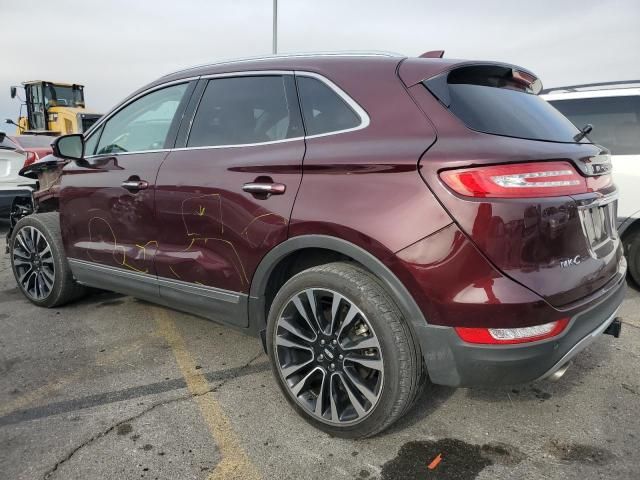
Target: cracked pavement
[(97, 390)]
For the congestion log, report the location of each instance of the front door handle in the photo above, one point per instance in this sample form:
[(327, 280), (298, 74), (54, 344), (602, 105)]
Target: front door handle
[(135, 185), (264, 188)]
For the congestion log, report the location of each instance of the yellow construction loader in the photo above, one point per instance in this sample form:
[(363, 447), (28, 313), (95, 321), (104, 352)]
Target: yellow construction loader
[(52, 109)]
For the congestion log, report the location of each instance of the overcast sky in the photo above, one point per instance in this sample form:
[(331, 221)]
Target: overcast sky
[(116, 46)]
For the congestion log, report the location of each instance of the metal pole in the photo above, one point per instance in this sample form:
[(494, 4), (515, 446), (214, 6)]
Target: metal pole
[(275, 27)]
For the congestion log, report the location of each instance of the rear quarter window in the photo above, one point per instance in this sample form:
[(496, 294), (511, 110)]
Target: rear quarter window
[(615, 120), (322, 108)]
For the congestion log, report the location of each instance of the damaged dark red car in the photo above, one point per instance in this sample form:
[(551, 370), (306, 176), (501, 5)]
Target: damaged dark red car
[(379, 221)]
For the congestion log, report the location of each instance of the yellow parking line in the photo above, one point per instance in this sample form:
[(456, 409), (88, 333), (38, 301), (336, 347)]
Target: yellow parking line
[(235, 463)]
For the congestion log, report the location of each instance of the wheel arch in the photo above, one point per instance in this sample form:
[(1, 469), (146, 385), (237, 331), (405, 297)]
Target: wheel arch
[(629, 225), (335, 249)]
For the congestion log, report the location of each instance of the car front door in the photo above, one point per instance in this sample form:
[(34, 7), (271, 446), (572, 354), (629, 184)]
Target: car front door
[(107, 200), (225, 198)]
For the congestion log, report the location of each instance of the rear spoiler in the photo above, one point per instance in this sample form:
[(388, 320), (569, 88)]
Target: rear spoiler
[(416, 70)]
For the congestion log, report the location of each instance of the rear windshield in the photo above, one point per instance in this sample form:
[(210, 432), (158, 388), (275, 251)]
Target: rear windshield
[(615, 120), (489, 100), (7, 144)]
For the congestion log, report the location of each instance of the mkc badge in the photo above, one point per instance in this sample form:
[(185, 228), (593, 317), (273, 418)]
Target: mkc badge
[(570, 262)]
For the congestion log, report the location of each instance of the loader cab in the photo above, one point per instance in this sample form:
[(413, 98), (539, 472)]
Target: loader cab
[(53, 108)]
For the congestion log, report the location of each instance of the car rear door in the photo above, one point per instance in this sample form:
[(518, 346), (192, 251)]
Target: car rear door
[(107, 200), (225, 197)]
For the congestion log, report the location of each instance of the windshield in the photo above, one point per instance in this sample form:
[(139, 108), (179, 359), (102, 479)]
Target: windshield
[(62, 96), (489, 100)]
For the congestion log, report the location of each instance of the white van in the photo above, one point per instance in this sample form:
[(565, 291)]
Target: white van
[(613, 108)]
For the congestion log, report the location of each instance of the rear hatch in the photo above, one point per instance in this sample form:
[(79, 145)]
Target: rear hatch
[(534, 195)]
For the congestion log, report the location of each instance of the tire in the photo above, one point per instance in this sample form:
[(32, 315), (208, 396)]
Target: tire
[(632, 252), (43, 274), (392, 372)]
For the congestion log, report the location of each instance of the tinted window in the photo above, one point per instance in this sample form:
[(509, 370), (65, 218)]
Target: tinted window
[(143, 124), (615, 120), (500, 100), (246, 110), (91, 143), (509, 112), (323, 110)]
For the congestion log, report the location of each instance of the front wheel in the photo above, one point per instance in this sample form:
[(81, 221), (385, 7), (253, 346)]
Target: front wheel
[(341, 351), (38, 261)]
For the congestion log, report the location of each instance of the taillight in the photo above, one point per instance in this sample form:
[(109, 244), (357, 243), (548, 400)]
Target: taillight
[(520, 180), (505, 336), (31, 157)]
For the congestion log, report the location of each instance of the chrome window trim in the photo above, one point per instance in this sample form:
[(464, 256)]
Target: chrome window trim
[(238, 145), (357, 109), (247, 73), (355, 106), (181, 286)]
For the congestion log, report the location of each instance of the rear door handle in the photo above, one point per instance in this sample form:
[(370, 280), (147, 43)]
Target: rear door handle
[(135, 185), (264, 188)]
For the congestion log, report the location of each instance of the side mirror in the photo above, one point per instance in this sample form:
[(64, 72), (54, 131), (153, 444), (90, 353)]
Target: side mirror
[(2, 135), (70, 147), (13, 91)]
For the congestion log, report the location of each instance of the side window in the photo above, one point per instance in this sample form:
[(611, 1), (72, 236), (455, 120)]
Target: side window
[(246, 110), (615, 120), (91, 143), (322, 109), (143, 124)]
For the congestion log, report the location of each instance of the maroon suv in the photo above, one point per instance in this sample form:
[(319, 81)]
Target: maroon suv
[(375, 219)]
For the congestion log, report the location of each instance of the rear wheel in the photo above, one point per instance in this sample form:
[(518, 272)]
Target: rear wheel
[(38, 261), (341, 351), (632, 251)]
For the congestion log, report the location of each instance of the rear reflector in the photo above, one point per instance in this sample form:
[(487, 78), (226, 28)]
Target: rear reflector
[(521, 180), (497, 336)]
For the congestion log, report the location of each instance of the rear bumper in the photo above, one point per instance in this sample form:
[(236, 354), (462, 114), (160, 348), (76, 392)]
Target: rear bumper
[(451, 361)]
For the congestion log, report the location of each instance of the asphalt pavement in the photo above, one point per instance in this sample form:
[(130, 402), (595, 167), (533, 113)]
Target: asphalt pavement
[(112, 387)]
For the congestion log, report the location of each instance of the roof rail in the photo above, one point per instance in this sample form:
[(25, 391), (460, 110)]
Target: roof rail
[(574, 88), (292, 55)]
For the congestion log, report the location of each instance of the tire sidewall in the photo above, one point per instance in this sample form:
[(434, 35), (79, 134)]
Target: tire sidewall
[(356, 294)]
